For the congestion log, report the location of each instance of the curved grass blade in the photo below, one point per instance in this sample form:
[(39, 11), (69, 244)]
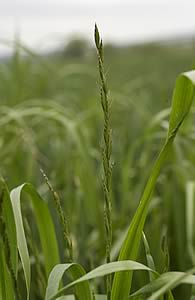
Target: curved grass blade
[(149, 258), (181, 103), (166, 282), (45, 227), (150, 263), (82, 291), (104, 270)]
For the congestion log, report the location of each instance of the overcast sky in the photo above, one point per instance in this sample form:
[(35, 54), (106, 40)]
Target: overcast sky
[(43, 24)]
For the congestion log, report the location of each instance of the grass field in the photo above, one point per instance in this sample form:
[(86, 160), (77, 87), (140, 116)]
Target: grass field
[(51, 119)]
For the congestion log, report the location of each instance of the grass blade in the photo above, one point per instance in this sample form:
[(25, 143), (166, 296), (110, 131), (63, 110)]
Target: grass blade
[(2, 276), (150, 263), (82, 291), (166, 282), (72, 297), (182, 100), (6, 288), (8, 245), (9, 224), (149, 258), (45, 226), (104, 270), (190, 208)]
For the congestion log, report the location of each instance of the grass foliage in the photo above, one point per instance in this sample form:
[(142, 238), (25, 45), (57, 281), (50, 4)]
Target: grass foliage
[(85, 219)]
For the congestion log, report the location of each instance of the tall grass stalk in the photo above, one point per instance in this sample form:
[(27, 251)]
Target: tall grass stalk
[(106, 152)]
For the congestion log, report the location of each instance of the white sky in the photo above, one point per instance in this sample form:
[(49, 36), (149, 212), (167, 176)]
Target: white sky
[(43, 24)]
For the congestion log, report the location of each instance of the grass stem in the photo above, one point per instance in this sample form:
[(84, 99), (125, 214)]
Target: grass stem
[(106, 154)]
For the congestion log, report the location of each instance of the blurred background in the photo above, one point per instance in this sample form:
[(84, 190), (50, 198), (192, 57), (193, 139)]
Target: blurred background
[(46, 24), (50, 117)]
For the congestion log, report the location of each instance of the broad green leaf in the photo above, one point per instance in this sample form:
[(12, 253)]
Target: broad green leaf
[(45, 227), (82, 290), (104, 270), (181, 103), (166, 282)]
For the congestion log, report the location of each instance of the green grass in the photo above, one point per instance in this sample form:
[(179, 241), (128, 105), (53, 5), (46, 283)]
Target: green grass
[(51, 119)]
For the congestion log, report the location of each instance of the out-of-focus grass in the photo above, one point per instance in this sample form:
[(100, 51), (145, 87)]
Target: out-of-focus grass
[(50, 118)]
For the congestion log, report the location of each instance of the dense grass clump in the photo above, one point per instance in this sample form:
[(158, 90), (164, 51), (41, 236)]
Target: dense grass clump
[(105, 181)]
